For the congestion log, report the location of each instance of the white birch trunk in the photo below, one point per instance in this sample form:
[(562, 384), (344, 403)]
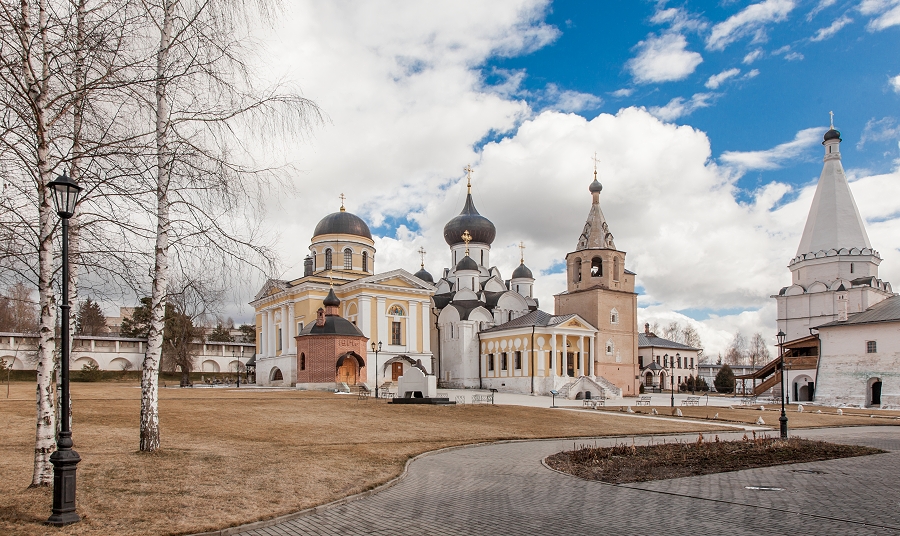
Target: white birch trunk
[(150, 370), (45, 429)]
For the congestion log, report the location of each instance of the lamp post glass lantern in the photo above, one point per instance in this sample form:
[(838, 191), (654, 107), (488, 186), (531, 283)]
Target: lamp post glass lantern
[(64, 459), (783, 419), (376, 348)]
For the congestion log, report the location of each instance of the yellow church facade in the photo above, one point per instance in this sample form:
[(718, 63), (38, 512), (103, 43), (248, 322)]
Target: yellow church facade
[(391, 308)]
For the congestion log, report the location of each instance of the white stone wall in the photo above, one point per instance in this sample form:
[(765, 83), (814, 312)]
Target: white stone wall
[(845, 369)]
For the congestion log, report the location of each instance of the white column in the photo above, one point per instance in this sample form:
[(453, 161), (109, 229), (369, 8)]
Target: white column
[(272, 332), (553, 355), (585, 357), (425, 307), (411, 330), (593, 350), (284, 329), (363, 318), (291, 330), (381, 321), (263, 333)]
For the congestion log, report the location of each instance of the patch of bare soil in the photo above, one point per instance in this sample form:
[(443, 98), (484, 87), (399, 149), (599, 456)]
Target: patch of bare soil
[(623, 464)]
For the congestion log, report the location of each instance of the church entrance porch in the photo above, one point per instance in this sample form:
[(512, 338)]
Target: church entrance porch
[(348, 366)]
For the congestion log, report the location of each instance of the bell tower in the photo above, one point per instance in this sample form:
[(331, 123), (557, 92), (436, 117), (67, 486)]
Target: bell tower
[(601, 290)]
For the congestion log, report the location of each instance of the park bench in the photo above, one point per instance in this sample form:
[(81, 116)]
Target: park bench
[(748, 401), (691, 401), (594, 402), (643, 401), (483, 399), (363, 392)]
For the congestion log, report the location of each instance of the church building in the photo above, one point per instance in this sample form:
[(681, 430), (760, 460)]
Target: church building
[(836, 307), (337, 309), (601, 290)]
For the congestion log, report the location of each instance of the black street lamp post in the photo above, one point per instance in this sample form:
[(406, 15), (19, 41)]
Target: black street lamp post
[(783, 419), (376, 349), (672, 378), (64, 459), (240, 364)]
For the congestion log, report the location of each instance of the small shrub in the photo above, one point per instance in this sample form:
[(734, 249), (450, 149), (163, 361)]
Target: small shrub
[(90, 372), (641, 389)]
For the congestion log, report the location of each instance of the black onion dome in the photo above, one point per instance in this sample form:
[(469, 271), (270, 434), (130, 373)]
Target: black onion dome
[(331, 300), (424, 276), (467, 263), (334, 325), (832, 135), (522, 272), (342, 223), (595, 186), (481, 228)]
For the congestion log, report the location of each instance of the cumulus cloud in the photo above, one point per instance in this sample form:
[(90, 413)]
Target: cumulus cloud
[(716, 80), (772, 158), (884, 13), (680, 107), (895, 83), (663, 58), (751, 19), (825, 33)]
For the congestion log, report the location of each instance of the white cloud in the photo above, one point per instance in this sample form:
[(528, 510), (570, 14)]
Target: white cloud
[(883, 129), (678, 19), (570, 101), (895, 83), (679, 107), (819, 8), (887, 11), (772, 158), (752, 73), (663, 59), (825, 33), (624, 92), (793, 56), (716, 80), (749, 20), (752, 56)]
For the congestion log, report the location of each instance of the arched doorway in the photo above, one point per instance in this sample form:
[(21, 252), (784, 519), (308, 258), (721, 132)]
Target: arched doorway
[(648, 380), (347, 368), (275, 375), (873, 392), (802, 388)]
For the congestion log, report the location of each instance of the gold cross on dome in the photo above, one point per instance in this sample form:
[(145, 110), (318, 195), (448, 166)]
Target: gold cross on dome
[(522, 252), (466, 237), (832, 119), (422, 254), (596, 161), (468, 169), (343, 197)]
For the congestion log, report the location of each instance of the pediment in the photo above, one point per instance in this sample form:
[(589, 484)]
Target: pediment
[(272, 286)]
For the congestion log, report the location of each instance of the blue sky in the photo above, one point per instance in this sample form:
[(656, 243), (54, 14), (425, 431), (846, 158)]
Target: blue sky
[(707, 118), (807, 59)]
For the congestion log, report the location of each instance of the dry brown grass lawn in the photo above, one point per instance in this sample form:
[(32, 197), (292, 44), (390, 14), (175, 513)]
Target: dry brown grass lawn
[(233, 456)]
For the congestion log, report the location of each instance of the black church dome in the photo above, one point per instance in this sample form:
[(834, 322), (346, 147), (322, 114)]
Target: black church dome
[(522, 272), (480, 228), (832, 135), (467, 263), (424, 276), (342, 222)]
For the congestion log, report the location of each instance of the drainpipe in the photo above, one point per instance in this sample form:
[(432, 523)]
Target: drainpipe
[(532, 360), (440, 348), (480, 386)]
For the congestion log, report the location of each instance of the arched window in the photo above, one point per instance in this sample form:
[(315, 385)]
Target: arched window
[(396, 310), (328, 259), (610, 347), (302, 361), (348, 259), (276, 375), (614, 317), (596, 267), (314, 260), (577, 267), (616, 269), (365, 263)]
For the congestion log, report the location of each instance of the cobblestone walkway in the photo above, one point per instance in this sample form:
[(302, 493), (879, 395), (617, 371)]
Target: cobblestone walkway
[(504, 489)]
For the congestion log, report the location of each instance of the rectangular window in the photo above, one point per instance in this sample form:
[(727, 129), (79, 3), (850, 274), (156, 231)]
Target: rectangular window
[(692, 362), (518, 362), (491, 362), (871, 347), (503, 364), (278, 341), (640, 361), (395, 333)]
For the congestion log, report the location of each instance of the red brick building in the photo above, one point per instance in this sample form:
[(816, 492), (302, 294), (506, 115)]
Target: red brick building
[(330, 350)]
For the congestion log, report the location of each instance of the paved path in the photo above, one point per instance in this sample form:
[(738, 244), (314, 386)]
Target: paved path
[(504, 489)]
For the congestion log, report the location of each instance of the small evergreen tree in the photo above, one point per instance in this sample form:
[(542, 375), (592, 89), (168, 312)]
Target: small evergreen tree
[(724, 381), (90, 320), (137, 326), (220, 333), (248, 332)]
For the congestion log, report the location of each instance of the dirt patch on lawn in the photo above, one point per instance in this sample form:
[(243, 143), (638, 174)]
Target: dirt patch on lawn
[(623, 464)]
